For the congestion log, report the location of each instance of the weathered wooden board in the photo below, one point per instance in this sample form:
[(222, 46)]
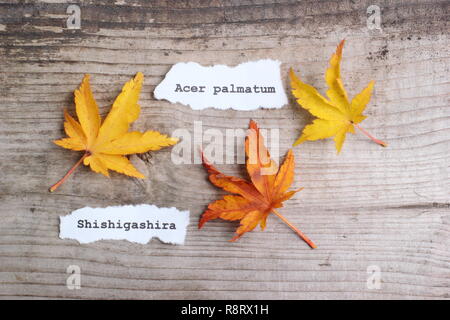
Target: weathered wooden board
[(368, 206)]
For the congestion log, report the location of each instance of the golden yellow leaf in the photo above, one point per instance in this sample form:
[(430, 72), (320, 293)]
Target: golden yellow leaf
[(106, 144), (336, 116)]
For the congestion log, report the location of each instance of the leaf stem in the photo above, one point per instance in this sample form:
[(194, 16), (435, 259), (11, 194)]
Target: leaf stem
[(381, 143), (60, 182), (298, 232)]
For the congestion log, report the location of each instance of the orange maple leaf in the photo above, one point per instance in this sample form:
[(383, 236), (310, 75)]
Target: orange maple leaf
[(253, 201)]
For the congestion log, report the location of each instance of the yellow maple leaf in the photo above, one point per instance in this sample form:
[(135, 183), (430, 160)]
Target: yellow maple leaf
[(336, 115), (106, 144)]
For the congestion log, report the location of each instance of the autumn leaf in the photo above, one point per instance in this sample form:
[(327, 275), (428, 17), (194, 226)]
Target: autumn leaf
[(106, 143), (252, 202), (336, 115)]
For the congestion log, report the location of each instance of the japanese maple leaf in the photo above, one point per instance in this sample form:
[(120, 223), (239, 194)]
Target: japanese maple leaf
[(106, 143), (336, 115), (253, 201)]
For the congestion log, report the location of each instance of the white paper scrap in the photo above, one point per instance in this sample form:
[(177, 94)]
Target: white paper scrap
[(248, 86), (138, 223)]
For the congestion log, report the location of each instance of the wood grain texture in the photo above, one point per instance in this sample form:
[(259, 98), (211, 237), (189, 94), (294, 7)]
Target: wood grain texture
[(368, 206)]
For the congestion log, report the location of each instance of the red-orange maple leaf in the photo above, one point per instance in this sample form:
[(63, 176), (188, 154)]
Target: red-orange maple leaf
[(253, 201)]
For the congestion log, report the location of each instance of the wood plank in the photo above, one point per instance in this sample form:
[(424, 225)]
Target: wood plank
[(368, 206)]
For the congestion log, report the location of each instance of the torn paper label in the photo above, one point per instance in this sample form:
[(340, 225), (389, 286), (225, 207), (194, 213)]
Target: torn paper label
[(138, 223), (248, 86)]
